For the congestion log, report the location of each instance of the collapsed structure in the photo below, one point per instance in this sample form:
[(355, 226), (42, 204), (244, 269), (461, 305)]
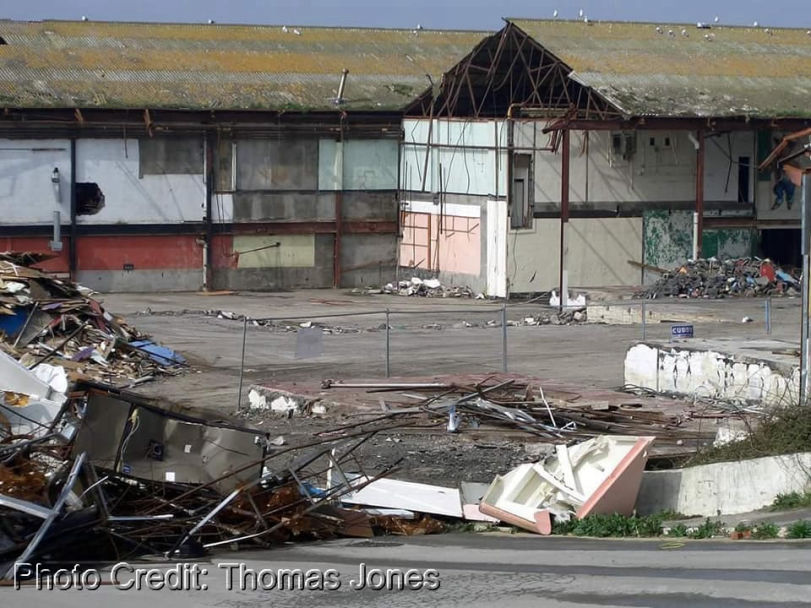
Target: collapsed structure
[(165, 156)]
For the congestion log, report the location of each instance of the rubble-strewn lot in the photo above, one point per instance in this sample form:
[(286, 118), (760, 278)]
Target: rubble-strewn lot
[(94, 472)]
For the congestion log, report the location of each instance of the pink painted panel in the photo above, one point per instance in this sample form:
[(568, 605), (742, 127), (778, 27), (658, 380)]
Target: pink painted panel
[(458, 244)]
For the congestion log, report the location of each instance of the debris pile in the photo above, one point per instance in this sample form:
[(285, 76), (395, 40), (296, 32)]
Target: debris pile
[(426, 288), (514, 404), (712, 278), (93, 473), (44, 319)]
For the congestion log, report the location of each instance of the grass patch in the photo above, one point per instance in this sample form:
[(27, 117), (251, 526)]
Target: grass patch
[(765, 531), (709, 529), (784, 430), (799, 529), (678, 531), (607, 526), (792, 500)]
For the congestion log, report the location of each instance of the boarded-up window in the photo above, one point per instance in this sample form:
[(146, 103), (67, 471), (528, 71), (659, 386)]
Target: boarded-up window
[(170, 156), (277, 164)]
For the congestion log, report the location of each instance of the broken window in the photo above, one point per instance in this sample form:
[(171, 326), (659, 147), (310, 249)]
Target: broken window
[(89, 198), (521, 194)]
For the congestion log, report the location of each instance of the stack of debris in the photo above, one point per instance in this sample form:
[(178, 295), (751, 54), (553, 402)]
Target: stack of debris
[(47, 319), (427, 288), (711, 278)]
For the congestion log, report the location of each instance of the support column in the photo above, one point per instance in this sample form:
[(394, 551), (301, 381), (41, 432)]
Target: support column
[(805, 327), (208, 255), (339, 201), (564, 212), (72, 245), (699, 194)]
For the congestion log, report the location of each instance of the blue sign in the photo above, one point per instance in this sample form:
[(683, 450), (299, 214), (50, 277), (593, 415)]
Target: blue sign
[(681, 331)]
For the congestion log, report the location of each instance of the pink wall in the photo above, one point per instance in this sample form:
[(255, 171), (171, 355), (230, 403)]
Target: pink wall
[(454, 248)]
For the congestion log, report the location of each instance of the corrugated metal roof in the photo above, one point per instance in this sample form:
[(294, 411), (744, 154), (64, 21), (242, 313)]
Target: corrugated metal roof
[(195, 66), (739, 71)]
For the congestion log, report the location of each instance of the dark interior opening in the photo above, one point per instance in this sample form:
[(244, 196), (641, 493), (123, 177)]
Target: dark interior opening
[(743, 179), (3, 41), (782, 245), (89, 198)]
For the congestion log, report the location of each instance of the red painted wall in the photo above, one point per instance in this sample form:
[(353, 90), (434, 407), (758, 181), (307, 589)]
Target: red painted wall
[(39, 244), (143, 252)]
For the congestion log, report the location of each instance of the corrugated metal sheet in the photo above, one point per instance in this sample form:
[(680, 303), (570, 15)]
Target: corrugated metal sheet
[(188, 66), (739, 71)]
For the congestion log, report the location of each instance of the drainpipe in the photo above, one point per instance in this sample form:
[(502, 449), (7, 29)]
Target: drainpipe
[(72, 247)]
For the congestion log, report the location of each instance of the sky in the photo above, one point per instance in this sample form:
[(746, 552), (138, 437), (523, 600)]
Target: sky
[(438, 14)]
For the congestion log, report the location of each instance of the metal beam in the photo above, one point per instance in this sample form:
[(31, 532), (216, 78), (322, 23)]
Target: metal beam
[(564, 209), (700, 153)]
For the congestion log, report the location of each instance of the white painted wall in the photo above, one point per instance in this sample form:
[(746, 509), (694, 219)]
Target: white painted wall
[(27, 195), (710, 373), (152, 199), (496, 254)]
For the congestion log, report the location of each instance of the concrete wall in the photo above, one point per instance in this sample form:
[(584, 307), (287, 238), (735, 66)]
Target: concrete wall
[(724, 487), (598, 253), (271, 270)]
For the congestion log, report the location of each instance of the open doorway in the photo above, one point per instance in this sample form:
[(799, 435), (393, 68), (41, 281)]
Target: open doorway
[(782, 245)]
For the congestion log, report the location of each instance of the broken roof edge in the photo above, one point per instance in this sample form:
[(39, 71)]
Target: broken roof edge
[(760, 26), (299, 26)]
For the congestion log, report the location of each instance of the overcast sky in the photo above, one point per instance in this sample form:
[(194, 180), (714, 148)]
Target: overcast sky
[(459, 14)]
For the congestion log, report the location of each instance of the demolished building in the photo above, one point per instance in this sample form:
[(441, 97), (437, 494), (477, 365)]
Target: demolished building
[(158, 156)]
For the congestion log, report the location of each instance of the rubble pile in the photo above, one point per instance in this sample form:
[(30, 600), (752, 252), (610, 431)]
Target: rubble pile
[(426, 288), (93, 473), (712, 278), (44, 319), (553, 415)]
